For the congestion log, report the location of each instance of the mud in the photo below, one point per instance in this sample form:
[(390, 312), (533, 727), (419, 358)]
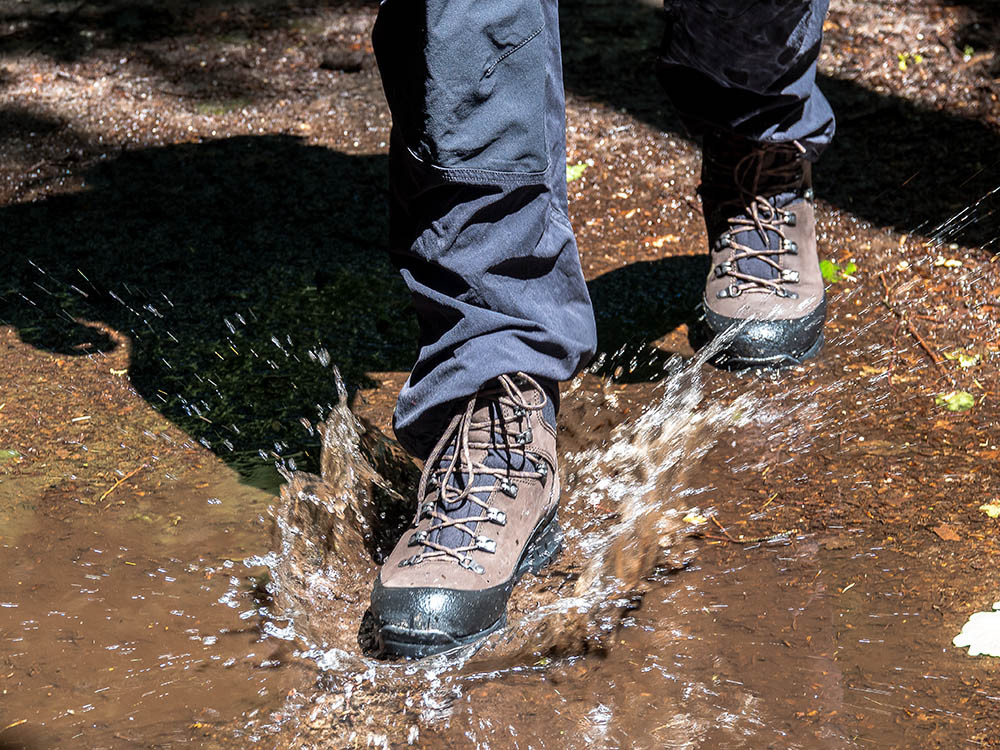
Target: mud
[(192, 202)]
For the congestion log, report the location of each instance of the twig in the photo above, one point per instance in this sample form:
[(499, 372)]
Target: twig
[(923, 344), (769, 501), (901, 318), (784, 533), (723, 530), (120, 481)]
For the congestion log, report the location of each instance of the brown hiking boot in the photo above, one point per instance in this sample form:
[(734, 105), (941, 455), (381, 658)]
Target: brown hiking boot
[(764, 292), (486, 514)]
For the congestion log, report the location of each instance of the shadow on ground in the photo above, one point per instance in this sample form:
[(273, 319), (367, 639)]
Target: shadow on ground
[(639, 303), (233, 264), (893, 162), (237, 268)]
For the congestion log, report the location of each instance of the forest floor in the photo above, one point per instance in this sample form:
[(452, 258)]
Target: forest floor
[(193, 219)]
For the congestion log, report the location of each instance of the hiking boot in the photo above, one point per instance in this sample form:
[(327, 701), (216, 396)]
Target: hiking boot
[(486, 514), (764, 290)]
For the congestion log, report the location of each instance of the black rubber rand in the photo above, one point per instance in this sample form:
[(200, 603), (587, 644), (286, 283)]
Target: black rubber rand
[(420, 621)]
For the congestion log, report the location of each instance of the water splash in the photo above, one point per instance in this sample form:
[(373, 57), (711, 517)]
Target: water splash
[(329, 529), (646, 472)]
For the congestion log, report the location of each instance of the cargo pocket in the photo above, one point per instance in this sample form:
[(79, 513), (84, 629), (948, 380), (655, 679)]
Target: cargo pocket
[(466, 83)]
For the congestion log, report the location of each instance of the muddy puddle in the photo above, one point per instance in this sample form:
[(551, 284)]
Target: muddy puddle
[(750, 562), (745, 649), (125, 630), (658, 626), (691, 606)]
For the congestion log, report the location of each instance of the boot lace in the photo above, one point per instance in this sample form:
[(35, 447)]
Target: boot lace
[(452, 479), (761, 173)]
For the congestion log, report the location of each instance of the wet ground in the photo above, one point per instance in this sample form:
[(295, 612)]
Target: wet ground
[(192, 213)]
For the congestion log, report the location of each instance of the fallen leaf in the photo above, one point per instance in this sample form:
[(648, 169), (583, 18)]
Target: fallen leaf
[(981, 633), (992, 508), (965, 359), (955, 400), (943, 262), (869, 371), (947, 533), (662, 240), (695, 519), (575, 171)]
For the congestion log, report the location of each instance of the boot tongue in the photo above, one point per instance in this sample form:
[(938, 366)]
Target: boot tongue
[(775, 188), (452, 536), (769, 240), (767, 174), (487, 411)]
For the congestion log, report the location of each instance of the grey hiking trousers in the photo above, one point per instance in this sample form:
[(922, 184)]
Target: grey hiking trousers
[(479, 225)]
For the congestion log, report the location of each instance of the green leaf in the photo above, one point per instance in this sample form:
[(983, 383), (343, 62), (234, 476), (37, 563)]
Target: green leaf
[(829, 270), (834, 274), (956, 400), (965, 359), (575, 171), (8, 455)]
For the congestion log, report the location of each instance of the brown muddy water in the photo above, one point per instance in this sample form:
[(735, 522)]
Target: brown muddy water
[(127, 631), (661, 624)]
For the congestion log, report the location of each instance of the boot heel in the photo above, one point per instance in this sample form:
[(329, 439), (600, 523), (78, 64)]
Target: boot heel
[(544, 548)]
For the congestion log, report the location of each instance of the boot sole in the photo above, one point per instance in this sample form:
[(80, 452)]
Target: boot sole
[(394, 640), (727, 361)]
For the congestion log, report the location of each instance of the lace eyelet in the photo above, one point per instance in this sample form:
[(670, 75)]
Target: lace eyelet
[(486, 544), (507, 487), (724, 269), (469, 564), (414, 560)]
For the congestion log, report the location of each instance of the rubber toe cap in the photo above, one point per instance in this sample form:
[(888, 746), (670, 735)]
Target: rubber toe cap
[(767, 342), (414, 621)]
